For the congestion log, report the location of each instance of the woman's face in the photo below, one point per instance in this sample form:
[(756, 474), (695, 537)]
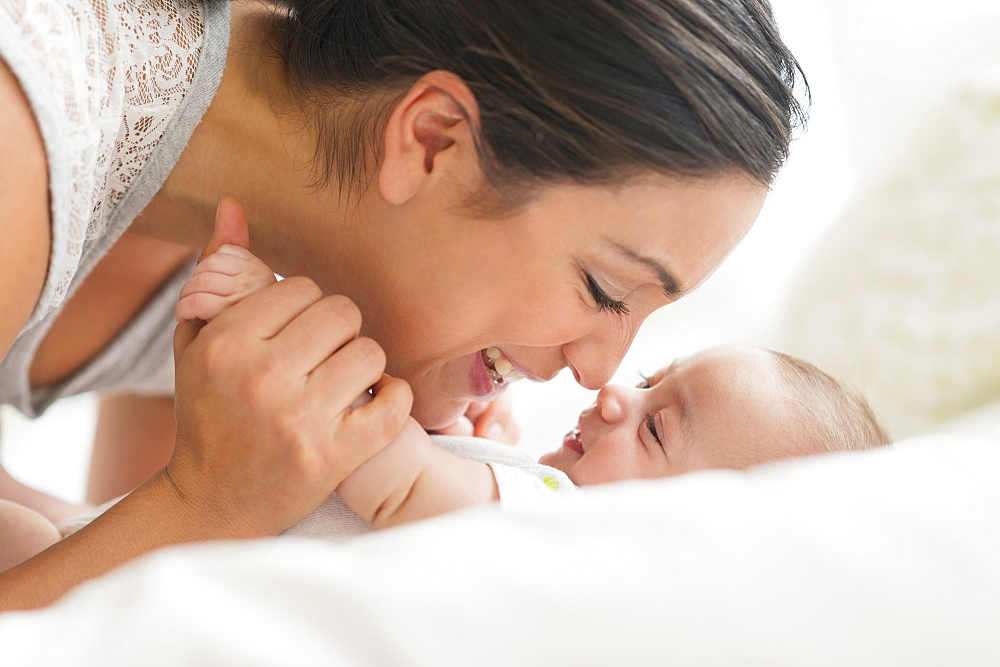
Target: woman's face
[(564, 282)]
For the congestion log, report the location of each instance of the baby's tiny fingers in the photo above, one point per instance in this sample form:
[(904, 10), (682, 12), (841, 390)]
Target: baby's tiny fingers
[(234, 250), (201, 306), (242, 284), (225, 263)]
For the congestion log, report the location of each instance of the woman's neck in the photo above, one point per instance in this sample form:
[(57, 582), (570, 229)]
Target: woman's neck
[(252, 144)]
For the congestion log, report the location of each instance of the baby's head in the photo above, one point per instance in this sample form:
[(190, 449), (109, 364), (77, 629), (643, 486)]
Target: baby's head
[(725, 407)]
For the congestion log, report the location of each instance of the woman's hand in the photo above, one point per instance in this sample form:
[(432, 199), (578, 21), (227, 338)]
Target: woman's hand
[(492, 420), (265, 427), (265, 431)]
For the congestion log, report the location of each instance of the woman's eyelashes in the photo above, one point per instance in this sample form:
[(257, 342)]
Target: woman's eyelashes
[(651, 425), (604, 302)]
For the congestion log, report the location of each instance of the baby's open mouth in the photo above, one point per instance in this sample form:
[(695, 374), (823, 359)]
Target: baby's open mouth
[(572, 441), (499, 368)]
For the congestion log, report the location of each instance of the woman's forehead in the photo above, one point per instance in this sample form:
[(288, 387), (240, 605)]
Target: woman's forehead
[(676, 231)]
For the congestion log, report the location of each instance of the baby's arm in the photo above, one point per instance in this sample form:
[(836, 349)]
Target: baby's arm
[(411, 478)]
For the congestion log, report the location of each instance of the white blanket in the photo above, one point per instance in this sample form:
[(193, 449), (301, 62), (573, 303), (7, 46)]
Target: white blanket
[(885, 558)]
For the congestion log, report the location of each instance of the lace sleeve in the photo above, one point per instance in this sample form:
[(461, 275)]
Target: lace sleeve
[(104, 79)]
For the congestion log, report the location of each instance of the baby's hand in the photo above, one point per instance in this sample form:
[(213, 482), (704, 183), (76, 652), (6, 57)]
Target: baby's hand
[(493, 421), (220, 280)]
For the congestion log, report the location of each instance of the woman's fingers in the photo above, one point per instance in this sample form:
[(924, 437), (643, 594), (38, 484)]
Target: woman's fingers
[(294, 331), (337, 380), (321, 329), (264, 314), (377, 422), (266, 430), (259, 316)]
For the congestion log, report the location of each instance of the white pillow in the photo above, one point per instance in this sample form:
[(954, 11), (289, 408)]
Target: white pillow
[(902, 297)]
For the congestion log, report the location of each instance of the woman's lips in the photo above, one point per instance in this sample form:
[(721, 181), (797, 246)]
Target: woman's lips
[(493, 371), (571, 441), (484, 387)]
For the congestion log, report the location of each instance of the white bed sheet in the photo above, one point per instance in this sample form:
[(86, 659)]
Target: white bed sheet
[(885, 558)]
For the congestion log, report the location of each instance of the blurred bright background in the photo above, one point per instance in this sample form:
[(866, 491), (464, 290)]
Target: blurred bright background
[(873, 66)]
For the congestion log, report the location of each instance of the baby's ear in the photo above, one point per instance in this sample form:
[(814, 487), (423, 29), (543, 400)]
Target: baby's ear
[(231, 227)]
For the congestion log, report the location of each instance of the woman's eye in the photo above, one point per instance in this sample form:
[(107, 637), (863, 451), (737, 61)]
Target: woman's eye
[(603, 301), (651, 425)]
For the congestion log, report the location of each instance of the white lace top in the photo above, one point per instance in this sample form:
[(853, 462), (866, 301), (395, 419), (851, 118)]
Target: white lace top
[(117, 87)]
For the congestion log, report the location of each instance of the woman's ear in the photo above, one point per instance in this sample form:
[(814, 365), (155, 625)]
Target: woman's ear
[(429, 132)]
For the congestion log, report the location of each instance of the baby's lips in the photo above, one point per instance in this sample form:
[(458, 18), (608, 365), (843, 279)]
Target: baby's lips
[(572, 441)]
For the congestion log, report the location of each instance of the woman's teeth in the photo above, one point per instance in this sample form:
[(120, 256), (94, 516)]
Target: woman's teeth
[(499, 368)]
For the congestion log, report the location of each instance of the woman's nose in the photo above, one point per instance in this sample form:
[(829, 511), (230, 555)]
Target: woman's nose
[(594, 358)]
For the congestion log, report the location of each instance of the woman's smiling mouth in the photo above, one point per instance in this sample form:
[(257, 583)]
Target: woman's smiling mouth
[(500, 369)]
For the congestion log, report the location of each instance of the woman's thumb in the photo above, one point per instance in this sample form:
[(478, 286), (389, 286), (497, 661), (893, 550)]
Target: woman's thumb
[(231, 227)]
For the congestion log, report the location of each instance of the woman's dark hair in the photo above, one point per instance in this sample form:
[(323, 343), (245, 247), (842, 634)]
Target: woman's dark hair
[(582, 91)]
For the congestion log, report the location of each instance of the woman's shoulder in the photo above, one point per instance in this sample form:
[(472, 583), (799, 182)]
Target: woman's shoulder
[(106, 83)]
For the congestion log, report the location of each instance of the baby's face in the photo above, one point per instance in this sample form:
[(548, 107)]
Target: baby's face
[(725, 407)]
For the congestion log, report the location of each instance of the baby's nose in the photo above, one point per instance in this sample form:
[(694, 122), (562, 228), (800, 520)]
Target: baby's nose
[(609, 404)]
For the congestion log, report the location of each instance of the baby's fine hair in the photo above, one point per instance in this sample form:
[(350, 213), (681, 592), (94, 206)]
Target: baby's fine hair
[(586, 92), (841, 418)]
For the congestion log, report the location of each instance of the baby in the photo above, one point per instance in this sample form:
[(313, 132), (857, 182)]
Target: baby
[(726, 407)]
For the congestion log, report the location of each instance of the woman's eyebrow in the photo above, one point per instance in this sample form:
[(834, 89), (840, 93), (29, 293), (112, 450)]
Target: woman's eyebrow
[(668, 283)]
